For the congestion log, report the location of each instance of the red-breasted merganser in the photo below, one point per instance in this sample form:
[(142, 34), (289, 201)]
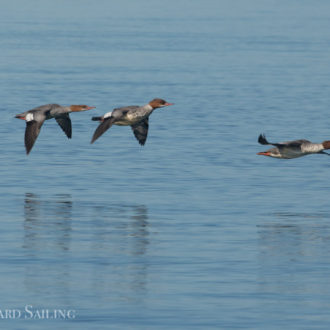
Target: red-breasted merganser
[(135, 116), (293, 149), (35, 118)]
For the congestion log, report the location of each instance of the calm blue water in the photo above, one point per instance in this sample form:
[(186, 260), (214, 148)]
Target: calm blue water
[(193, 230)]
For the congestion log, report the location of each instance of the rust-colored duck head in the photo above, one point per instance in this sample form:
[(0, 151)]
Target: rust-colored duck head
[(76, 108), (159, 103)]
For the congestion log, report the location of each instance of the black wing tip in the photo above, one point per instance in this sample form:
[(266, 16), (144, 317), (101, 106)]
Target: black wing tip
[(262, 139), (95, 136), (102, 128), (28, 147), (141, 140)]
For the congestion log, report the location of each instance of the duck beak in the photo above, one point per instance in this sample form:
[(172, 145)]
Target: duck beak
[(90, 108), (264, 153), (167, 104)]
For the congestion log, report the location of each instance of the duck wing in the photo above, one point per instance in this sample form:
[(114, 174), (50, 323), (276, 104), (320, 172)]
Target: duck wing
[(104, 126), (292, 144), (32, 131), (64, 122), (140, 131)]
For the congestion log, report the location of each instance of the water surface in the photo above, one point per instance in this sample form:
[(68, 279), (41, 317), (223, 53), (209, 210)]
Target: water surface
[(193, 230)]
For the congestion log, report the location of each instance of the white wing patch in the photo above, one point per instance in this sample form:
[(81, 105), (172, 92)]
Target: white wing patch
[(108, 114), (312, 147), (29, 117)]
